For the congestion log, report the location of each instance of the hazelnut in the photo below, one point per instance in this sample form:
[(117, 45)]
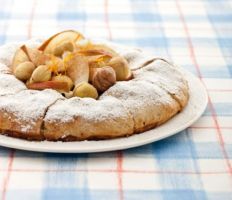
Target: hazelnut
[(41, 73), (64, 78), (60, 49), (104, 78), (121, 68), (85, 89), (24, 70)]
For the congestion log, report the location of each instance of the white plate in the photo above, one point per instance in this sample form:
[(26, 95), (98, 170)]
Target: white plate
[(196, 106)]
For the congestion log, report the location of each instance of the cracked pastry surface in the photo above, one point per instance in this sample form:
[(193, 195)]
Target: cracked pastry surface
[(156, 93)]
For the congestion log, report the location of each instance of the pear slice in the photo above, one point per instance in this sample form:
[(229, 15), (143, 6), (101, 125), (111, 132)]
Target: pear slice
[(56, 85), (20, 57), (25, 53), (105, 48), (78, 69), (36, 56), (95, 52), (97, 49), (98, 61), (60, 38)]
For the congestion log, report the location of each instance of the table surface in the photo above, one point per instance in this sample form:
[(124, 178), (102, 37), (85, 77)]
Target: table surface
[(194, 164)]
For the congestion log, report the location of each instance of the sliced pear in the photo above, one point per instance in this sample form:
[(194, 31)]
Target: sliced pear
[(36, 56), (77, 69), (97, 49), (105, 48), (95, 52), (58, 39), (20, 57), (56, 85), (64, 47), (98, 61)]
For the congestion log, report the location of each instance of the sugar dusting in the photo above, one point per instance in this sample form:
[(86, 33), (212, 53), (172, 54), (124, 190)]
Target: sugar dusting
[(29, 106), (92, 110), (4, 69), (137, 93), (165, 76), (9, 84)]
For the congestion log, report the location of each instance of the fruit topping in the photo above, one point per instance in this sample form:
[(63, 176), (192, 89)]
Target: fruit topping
[(104, 78), (71, 65), (85, 89), (41, 73), (24, 70)]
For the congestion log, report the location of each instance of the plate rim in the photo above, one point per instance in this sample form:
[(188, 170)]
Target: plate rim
[(59, 147)]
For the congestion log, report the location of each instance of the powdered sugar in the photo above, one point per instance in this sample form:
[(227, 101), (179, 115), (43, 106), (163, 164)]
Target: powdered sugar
[(137, 93), (85, 117), (92, 110), (4, 69), (27, 108), (9, 84), (167, 77), (146, 102), (27, 127)]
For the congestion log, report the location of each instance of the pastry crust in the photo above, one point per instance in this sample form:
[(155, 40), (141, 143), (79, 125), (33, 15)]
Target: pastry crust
[(157, 92), (10, 85), (87, 118), (166, 76), (22, 113), (148, 104)]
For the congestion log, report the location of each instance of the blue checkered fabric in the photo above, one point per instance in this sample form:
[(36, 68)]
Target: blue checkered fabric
[(194, 164)]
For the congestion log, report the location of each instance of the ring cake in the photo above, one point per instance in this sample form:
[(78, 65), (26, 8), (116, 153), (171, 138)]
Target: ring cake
[(69, 88)]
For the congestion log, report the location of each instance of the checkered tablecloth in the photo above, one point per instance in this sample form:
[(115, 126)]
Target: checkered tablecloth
[(194, 164)]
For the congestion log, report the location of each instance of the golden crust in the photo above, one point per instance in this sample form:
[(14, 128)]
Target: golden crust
[(28, 136), (22, 114), (127, 108), (87, 118), (148, 104)]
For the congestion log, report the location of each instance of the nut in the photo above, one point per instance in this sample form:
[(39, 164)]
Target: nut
[(24, 70), (64, 78), (59, 50), (85, 89), (104, 78), (121, 68), (41, 73)]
